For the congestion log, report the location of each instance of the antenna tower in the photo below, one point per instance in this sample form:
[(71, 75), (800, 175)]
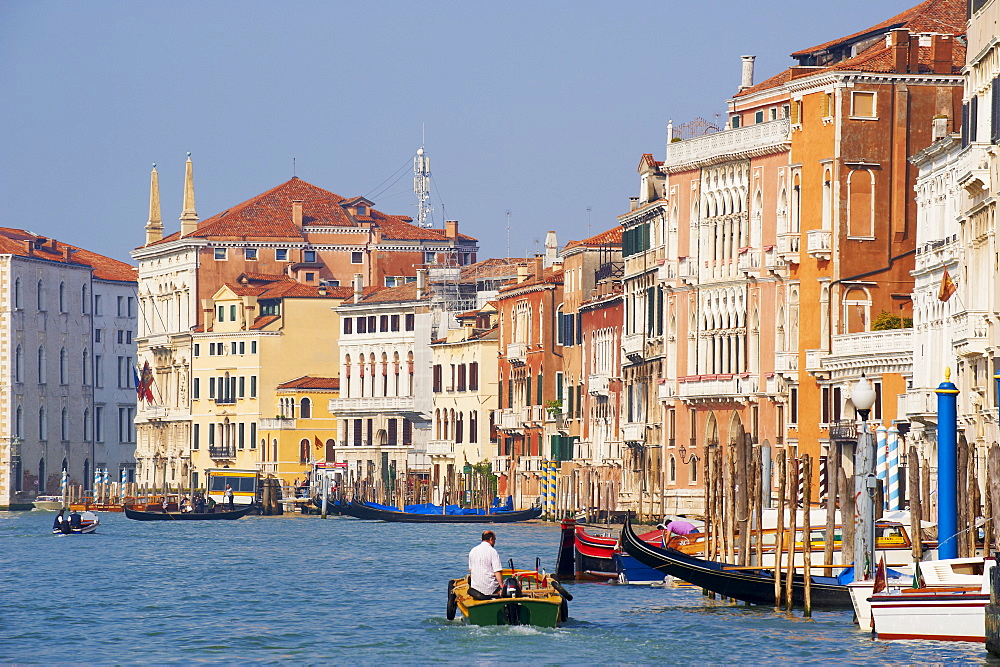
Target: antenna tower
[(422, 187)]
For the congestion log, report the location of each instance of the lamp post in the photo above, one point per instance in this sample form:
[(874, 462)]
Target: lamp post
[(863, 398)]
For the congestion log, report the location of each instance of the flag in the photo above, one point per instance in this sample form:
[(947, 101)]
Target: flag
[(144, 385), (881, 577), (317, 442), (947, 287), (918, 576)]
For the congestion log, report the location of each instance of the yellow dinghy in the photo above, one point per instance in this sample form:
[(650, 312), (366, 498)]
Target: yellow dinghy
[(531, 598)]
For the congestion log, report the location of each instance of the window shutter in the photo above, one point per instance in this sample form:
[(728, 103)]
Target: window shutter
[(995, 119), (973, 118)]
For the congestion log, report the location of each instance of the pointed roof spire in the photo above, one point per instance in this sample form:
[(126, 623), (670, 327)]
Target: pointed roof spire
[(189, 217), (154, 226)]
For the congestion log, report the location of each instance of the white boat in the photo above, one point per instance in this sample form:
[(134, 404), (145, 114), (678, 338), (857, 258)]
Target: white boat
[(51, 503), (950, 606)]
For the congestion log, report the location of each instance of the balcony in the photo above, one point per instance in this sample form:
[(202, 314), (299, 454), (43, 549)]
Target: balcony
[(632, 346), (535, 414), (635, 432), (814, 362), (667, 273), (276, 424), (394, 404), (844, 430), (920, 405), (743, 142), (440, 447), (154, 411), (508, 420), (599, 385), (787, 364), (970, 333), (517, 354), (770, 261), (222, 451), (748, 262), (716, 387), (819, 243), (788, 247), (664, 389), (687, 270)]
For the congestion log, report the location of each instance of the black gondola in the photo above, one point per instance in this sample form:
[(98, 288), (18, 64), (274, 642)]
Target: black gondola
[(753, 586), (138, 515), (359, 511)]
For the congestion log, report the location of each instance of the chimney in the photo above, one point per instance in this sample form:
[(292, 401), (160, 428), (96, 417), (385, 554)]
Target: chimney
[(522, 273), (421, 282), (914, 54), (899, 42), (633, 203), (939, 127), (451, 229), (29, 247), (746, 80), (359, 285), (322, 290), (538, 266), (942, 51), (551, 248), (66, 252), (297, 213)]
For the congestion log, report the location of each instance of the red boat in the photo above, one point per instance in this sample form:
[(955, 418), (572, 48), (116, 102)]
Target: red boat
[(593, 555)]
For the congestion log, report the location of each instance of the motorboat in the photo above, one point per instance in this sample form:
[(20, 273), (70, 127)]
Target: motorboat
[(49, 503), (528, 597), (949, 603), (86, 524)]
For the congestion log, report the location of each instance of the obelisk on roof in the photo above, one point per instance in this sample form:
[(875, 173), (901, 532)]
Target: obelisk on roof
[(154, 226), (189, 217)]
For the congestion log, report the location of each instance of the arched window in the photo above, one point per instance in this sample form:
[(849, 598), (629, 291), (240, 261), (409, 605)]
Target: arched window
[(86, 425), (43, 432), (40, 296), (459, 424), (827, 217), (83, 299), (19, 364), (41, 365), (673, 470), (857, 310), (304, 450), (62, 367), (62, 297), (86, 367), (17, 293), (19, 422), (305, 408), (64, 425)]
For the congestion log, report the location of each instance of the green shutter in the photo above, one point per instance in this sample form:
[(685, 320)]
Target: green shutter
[(527, 391), (538, 399)]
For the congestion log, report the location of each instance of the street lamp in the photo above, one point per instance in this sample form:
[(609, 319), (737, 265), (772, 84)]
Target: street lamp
[(863, 398)]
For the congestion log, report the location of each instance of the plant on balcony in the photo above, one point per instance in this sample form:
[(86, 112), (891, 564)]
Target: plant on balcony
[(553, 407), (886, 321)]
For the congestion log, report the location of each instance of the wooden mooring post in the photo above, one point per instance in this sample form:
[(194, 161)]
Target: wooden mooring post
[(779, 544), (792, 470), (807, 532)]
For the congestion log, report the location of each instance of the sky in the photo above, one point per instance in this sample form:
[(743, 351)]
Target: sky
[(537, 108)]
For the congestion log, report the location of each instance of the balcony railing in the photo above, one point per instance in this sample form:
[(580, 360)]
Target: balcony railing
[(634, 432), (700, 386), (632, 345), (788, 247), (277, 424), (598, 384), (844, 430), (222, 451), (749, 261), (340, 406), (971, 333), (440, 447), (517, 353), (687, 270), (667, 273), (867, 343), (664, 389), (508, 420), (728, 144), (154, 411), (786, 362), (814, 360), (819, 243)]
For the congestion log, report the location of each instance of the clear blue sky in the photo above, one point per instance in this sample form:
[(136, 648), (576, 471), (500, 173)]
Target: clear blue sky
[(540, 108)]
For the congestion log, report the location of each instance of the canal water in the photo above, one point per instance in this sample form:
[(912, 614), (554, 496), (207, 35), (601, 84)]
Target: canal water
[(304, 590)]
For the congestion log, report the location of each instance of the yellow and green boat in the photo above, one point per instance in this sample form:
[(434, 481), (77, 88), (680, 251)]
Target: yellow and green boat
[(538, 600)]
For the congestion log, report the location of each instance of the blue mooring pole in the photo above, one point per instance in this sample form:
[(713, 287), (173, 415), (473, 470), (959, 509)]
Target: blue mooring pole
[(947, 443)]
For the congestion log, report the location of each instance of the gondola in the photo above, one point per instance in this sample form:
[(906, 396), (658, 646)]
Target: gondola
[(753, 586), (138, 515), (362, 511)]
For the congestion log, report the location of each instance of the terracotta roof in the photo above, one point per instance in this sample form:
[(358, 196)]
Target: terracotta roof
[(550, 276), (15, 242), (647, 160), (283, 287), (309, 382), (269, 215), (493, 267), (775, 81), (400, 293), (942, 16), (263, 321), (612, 236), (879, 59)]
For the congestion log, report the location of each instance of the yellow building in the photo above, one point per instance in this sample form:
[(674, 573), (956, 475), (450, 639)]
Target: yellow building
[(259, 332), (303, 430)]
